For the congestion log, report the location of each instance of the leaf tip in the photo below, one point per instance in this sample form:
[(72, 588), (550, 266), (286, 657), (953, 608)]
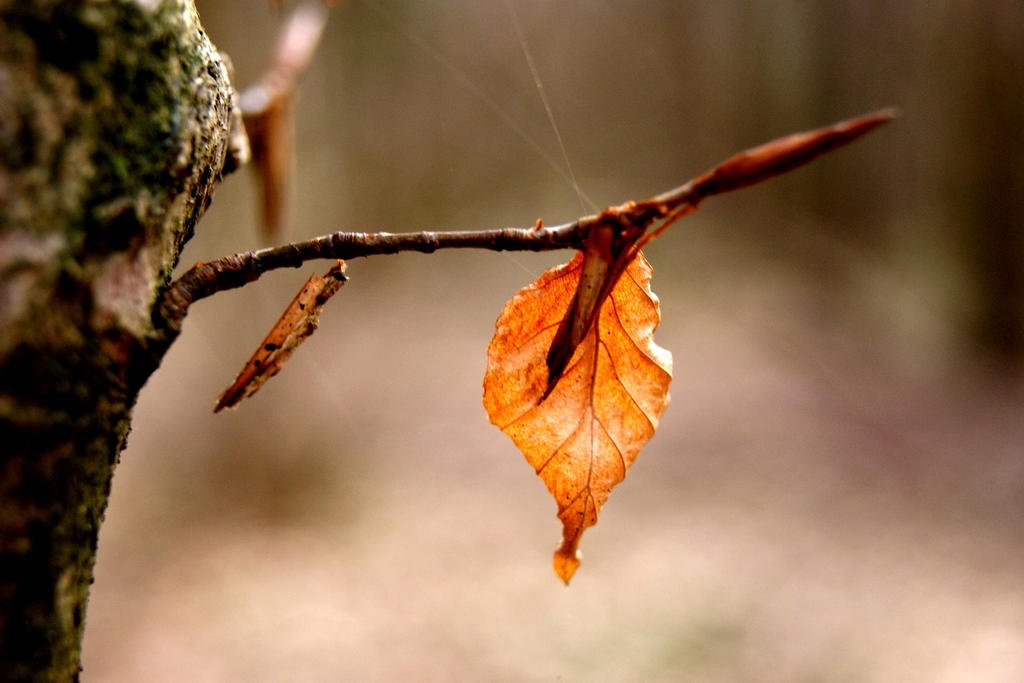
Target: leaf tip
[(566, 561)]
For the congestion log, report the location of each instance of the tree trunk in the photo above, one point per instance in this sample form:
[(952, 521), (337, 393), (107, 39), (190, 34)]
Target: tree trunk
[(113, 129)]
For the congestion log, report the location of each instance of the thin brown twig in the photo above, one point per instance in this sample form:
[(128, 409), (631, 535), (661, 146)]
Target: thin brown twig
[(741, 170)]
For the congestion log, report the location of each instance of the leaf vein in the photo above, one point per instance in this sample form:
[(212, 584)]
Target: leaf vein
[(618, 378)]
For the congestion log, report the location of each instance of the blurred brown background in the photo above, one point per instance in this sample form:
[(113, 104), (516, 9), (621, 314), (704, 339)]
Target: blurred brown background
[(836, 492)]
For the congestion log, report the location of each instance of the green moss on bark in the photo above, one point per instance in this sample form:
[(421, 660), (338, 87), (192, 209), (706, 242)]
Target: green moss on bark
[(113, 129)]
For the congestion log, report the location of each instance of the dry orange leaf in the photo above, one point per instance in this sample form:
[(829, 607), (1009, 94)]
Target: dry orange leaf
[(583, 433), (298, 322)]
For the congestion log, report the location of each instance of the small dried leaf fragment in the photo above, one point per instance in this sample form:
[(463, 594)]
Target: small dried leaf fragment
[(296, 324), (267, 108), (584, 435)]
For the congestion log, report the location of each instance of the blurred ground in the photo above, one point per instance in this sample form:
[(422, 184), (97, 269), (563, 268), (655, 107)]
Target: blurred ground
[(836, 492)]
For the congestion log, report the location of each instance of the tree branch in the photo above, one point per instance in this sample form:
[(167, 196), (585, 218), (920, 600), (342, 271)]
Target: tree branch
[(741, 170)]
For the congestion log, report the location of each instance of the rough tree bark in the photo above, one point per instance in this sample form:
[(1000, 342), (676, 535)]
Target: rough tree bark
[(114, 119)]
